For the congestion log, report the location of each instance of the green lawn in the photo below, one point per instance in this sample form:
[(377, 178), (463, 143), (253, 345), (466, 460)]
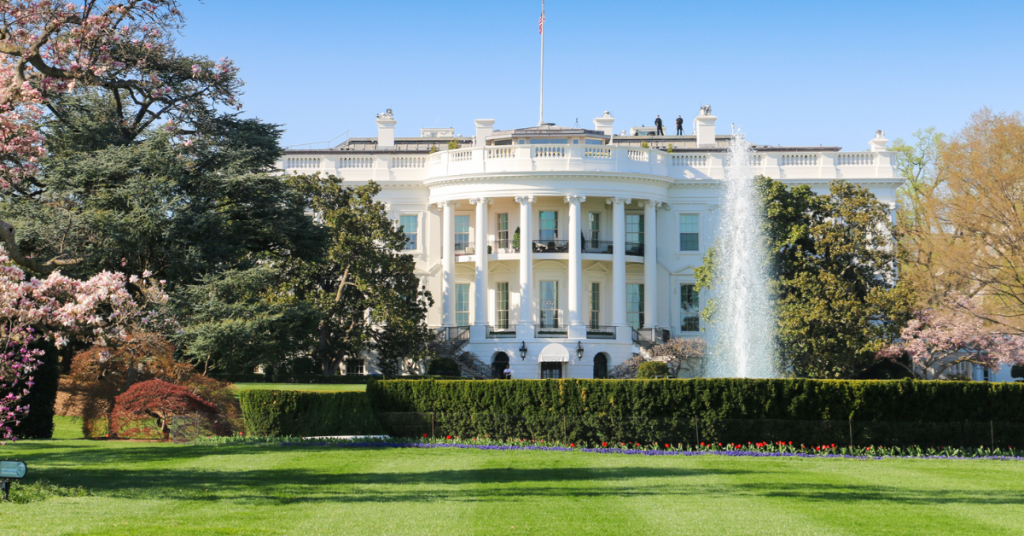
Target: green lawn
[(300, 386), (154, 488)]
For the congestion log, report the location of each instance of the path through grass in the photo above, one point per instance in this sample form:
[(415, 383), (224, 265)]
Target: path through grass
[(147, 488)]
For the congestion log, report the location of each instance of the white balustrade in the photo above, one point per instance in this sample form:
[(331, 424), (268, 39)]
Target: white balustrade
[(689, 160), (405, 162), (302, 163), (543, 151), (355, 162), (497, 153), (598, 158), (639, 155), (462, 155), (798, 160), (855, 159)]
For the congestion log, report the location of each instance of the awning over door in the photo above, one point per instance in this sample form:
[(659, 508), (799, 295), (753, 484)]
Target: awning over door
[(554, 353)]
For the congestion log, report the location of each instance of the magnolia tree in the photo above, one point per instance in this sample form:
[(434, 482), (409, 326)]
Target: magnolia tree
[(57, 308), (123, 49), (938, 341)]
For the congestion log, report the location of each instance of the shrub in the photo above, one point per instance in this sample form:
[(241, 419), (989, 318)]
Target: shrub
[(443, 366), (1017, 371), (304, 413), (159, 401), (672, 411), (41, 399), (100, 374), (651, 370)]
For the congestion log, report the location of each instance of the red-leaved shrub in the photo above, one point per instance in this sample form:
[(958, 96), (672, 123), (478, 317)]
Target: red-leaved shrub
[(156, 400)]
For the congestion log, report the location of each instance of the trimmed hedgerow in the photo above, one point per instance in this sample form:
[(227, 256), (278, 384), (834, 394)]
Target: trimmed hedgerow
[(304, 413), (809, 411)]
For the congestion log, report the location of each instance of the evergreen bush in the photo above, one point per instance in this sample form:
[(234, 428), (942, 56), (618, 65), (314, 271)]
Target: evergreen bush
[(42, 397), (305, 413), (650, 370), (689, 411), (443, 366)]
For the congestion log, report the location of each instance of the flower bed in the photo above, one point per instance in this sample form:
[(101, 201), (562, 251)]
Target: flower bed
[(777, 449)]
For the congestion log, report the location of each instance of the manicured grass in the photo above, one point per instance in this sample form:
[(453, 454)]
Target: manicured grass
[(300, 386), (108, 487)]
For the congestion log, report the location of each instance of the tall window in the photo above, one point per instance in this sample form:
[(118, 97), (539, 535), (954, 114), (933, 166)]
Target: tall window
[(635, 306), (548, 225), (410, 227), (690, 305), (501, 305), (635, 228), (549, 304), (461, 232), (503, 242), (462, 304), (595, 304), (594, 221), (688, 232)]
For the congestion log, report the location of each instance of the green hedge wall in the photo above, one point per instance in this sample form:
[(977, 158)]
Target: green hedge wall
[(688, 411), (304, 413), (316, 378)]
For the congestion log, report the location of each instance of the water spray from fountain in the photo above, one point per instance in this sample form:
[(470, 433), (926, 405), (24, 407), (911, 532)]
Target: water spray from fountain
[(742, 336)]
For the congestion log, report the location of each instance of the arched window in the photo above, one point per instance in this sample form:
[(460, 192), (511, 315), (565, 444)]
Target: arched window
[(499, 365), (601, 365)]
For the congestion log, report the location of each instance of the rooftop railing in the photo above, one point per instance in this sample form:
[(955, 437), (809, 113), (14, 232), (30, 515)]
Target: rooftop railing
[(680, 165)]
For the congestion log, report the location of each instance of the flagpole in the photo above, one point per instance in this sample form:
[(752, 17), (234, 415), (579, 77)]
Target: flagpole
[(541, 62)]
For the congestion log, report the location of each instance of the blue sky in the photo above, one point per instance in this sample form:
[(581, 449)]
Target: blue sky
[(790, 73)]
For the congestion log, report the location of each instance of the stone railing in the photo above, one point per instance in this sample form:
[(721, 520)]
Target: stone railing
[(611, 159)]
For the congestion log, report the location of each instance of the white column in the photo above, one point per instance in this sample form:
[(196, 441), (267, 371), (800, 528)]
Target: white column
[(480, 294), (525, 327), (448, 262), (651, 263), (619, 267), (577, 330)]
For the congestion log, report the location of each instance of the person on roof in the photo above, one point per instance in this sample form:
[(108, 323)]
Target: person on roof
[(679, 126), (657, 123)]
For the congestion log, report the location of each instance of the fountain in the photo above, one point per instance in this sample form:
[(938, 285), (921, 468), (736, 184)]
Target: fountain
[(742, 336)]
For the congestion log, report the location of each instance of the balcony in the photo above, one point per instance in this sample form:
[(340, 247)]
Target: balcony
[(551, 246), (502, 246), (507, 331), (683, 164), (551, 332), (601, 332), (597, 246)]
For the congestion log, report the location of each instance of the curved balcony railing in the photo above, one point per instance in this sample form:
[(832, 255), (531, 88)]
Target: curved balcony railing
[(551, 246), (597, 246)]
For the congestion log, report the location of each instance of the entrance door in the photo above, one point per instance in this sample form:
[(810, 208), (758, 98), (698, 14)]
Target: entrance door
[(551, 371), (499, 365)]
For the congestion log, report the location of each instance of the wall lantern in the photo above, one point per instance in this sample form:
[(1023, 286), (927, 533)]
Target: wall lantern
[(579, 351), (522, 351)]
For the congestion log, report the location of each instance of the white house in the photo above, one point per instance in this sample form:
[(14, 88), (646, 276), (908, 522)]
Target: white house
[(563, 251)]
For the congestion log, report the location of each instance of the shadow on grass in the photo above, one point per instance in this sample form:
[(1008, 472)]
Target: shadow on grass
[(122, 472)]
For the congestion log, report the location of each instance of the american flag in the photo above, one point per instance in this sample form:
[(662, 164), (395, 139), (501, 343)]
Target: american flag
[(541, 24)]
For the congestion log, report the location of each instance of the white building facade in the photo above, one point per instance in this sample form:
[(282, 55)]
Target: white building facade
[(560, 251)]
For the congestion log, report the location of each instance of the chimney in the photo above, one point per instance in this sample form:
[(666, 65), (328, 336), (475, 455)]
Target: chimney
[(878, 144), (604, 124), (704, 127), (386, 129), (484, 128)]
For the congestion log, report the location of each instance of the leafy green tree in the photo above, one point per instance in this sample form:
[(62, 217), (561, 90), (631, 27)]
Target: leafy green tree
[(365, 293), (651, 370), (232, 322), (147, 200), (916, 163), (833, 270)]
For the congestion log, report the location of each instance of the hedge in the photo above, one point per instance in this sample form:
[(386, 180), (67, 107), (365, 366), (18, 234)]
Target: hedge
[(317, 378), (305, 413), (688, 411), (42, 397)]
